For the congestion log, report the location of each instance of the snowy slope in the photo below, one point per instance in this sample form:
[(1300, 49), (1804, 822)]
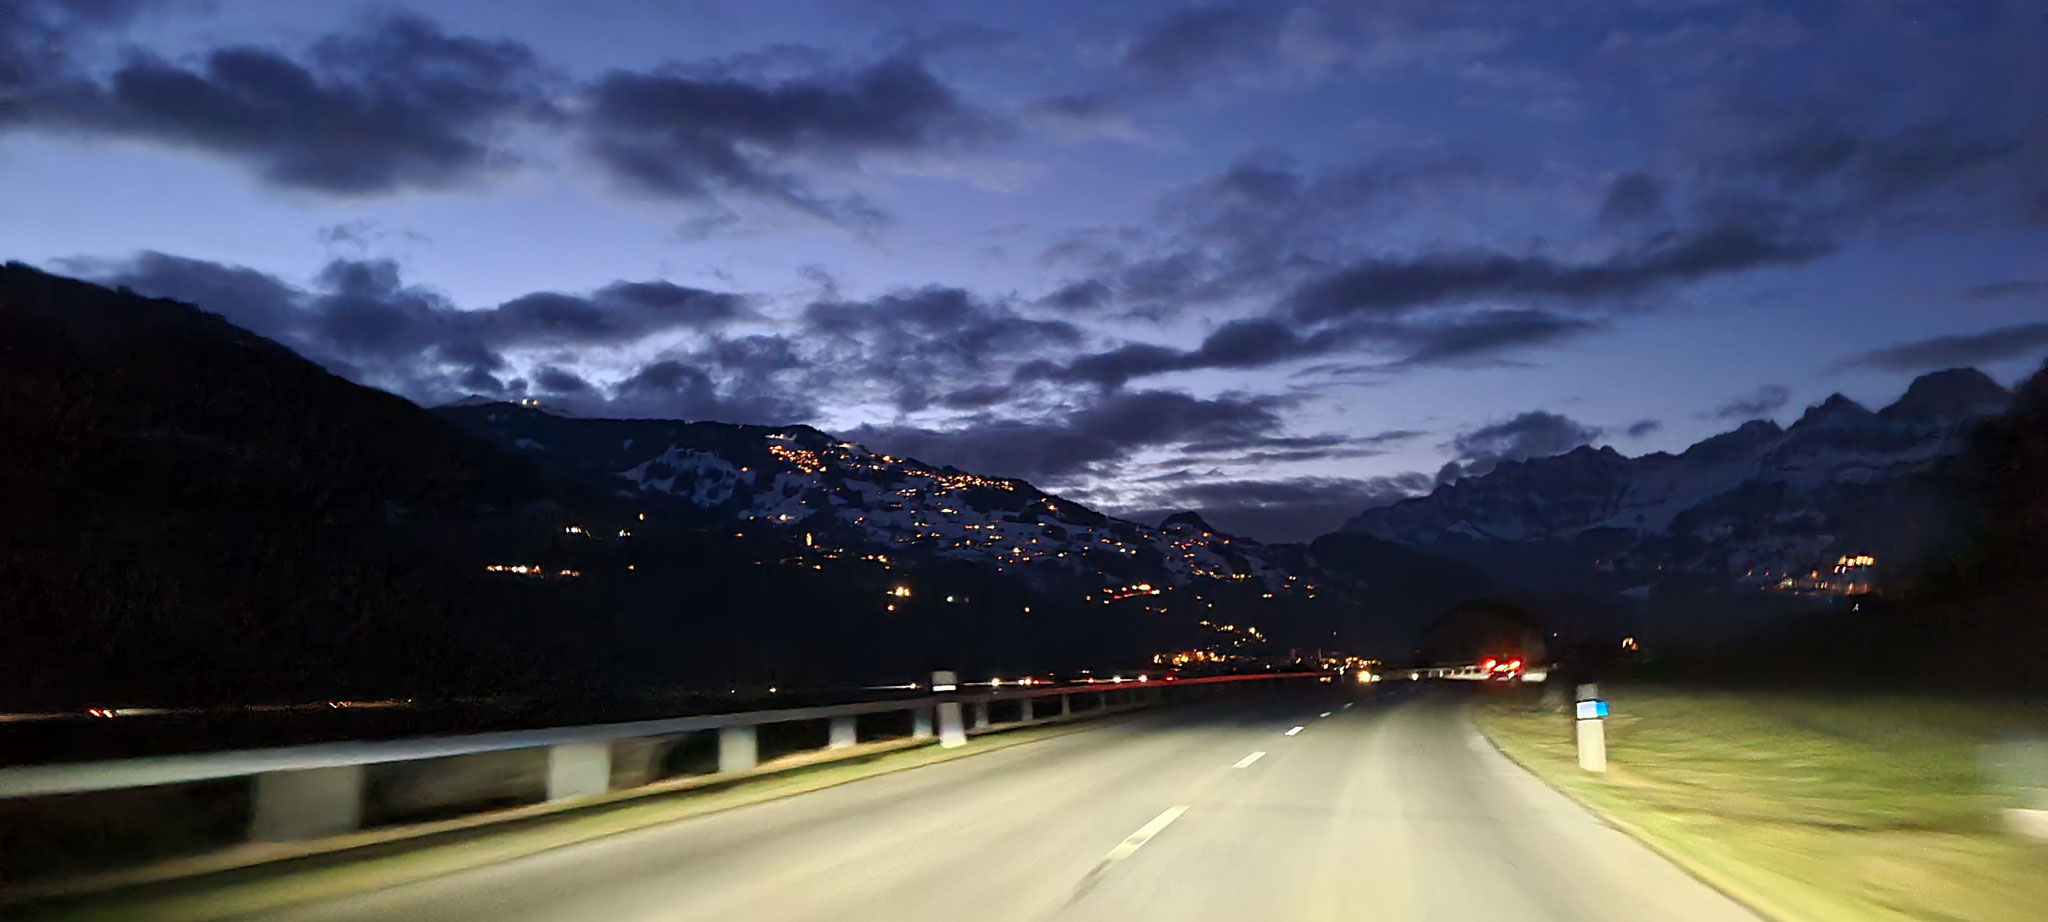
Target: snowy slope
[(1755, 502), (855, 502)]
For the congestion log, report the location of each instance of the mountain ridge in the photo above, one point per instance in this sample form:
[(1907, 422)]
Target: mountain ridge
[(801, 480), (1755, 504), (200, 515)]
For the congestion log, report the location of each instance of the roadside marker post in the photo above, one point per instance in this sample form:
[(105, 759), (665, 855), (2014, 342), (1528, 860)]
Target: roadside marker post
[(952, 732), (1590, 722)]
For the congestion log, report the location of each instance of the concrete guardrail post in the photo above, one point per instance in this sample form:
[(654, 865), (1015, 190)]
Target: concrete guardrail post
[(1066, 705), (307, 803), (739, 748), (841, 733), (579, 769), (980, 715)]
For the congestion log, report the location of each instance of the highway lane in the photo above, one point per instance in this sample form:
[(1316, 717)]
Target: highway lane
[(1388, 808)]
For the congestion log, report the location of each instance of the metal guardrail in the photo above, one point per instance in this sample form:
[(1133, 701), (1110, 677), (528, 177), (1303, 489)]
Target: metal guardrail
[(316, 789), (77, 777)]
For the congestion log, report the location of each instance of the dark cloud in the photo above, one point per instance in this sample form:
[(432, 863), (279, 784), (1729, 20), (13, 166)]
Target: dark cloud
[(1290, 442), (1470, 338), (913, 349), (672, 389), (1283, 509), (361, 319), (978, 397), (617, 313), (1875, 153), (1643, 427), (950, 38), (912, 345), (1954, 351), (2010, 288), (699, 137), (1766, 400), (1105, 429), (554, 380), (1535, 434), (754, 356), (38, 37), (1285, 449), (398, 105), (1378, 286), (1084, 115), (1874, 168), (1076, 106), (480, 381), (253, 300), (1391, 436), (1374, 441), (1083, 296), (1632, 197), (1251, 343), (1258, 227), (1201, 41), (1478, 337)]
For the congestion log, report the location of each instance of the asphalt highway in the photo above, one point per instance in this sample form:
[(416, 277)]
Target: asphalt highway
[(1384, 804)]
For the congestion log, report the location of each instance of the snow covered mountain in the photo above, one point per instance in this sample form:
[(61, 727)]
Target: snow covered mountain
[(843, 500), (1760, 504)]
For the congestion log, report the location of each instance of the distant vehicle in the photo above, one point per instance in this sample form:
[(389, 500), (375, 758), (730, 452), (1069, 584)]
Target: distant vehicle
[(1501, 668)]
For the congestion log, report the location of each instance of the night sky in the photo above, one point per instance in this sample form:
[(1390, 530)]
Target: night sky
[(1276, 262)]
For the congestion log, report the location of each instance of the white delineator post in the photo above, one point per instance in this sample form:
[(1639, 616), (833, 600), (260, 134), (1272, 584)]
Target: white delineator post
[(952, 732), (1590, 722)]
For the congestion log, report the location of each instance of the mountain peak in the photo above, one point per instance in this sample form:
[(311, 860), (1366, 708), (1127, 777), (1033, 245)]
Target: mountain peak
[(1735, 441), (1949, 396), (473, 400), (1190, 518), (1837, 410), (529, 403)]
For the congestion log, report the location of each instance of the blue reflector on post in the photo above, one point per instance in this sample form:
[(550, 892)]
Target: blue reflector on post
[(1592, 710)]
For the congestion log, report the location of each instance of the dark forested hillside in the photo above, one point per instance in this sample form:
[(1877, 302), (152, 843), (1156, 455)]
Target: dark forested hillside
[(194, 514)]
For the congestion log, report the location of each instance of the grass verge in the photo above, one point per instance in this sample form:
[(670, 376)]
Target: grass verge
[(270, 887), (1805, 808)]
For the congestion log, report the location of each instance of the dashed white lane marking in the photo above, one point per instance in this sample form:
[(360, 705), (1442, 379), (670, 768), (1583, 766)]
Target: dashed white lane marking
[(1346, 707), (1294, 731), (1247, 760), (1145, 833), (1326, 713)]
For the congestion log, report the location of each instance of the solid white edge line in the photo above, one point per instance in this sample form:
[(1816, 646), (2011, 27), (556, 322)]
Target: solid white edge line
[(1294, 731), (1145, 833), (1247, 760)]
